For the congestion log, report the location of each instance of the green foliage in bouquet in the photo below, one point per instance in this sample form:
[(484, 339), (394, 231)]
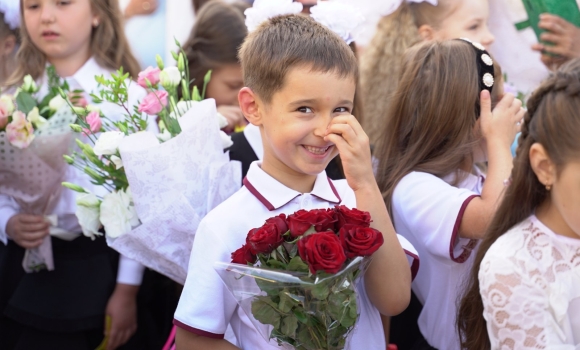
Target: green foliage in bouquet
[(324, 249)]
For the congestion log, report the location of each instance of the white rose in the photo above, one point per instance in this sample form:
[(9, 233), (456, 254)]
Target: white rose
[(56, 103), (35, 118), (117, 161), (118, 213), (88, 214), (170, 77), (182, 107), (29, 85), (226, 140), (8, 102), (108, 143), (222, 121)]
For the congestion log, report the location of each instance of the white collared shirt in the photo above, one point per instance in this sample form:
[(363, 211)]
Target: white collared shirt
[(427, 211), (130, 272), (206, 307)]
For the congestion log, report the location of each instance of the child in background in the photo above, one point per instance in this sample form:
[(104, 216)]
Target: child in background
[(66, 308), (440, 123), (213, 45), (410, 24), (524, 288), (301, 80), (9, 39)]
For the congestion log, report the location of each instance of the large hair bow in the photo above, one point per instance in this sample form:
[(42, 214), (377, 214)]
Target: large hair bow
[(263, 10), (11, 11)]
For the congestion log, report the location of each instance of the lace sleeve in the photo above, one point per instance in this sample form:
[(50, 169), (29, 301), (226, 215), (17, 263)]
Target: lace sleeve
[(518, 305)]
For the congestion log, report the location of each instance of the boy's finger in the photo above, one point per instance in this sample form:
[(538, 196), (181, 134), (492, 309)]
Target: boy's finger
[(350, 120), (344, 130), (35, 227), (552, 38), (30, 219), (34, 235), (552, 25), (339, 142)]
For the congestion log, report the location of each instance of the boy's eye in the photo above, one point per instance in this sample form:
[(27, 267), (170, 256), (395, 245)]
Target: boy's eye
[(62, 3), (474, 26), (304, 110), (342, 110)]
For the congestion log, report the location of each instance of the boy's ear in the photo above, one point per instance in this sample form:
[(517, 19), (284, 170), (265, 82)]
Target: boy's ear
[(426, 32), (542, 164), (250, 105)]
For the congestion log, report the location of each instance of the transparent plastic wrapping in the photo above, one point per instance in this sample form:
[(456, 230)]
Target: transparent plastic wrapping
[(295, 309)]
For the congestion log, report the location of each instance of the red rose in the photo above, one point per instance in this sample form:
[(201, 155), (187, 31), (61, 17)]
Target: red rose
[(243, 256), (302, 220), (360, 241), (280, 222), (264, 239), (322, 251), (352, 217)]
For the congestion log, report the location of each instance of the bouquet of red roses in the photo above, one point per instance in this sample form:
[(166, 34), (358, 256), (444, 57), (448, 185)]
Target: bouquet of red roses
[(295, 277)]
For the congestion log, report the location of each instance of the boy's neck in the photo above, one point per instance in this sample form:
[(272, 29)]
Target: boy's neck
[(300, 182), (67, 67)]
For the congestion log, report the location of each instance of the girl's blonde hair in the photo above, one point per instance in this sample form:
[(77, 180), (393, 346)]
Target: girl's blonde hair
[(552, 120), (429, 127), (7, 62), (109, 46), (381, 62)]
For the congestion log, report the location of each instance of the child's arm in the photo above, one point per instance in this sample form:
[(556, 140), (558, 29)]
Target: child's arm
[(388, 278), (185, 340), (499, 129)]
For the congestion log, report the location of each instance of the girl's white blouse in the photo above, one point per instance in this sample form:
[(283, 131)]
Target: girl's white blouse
[(530, 287)]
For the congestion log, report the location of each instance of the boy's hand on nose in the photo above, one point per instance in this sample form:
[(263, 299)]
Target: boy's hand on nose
[(353, 146)]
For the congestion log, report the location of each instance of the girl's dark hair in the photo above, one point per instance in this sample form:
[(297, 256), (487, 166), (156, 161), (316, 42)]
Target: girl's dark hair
[(218, 32), (552, 120), (429, 126)]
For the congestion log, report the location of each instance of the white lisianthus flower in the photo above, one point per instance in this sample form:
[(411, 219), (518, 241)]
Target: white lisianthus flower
[(8, 102), (262, 10), (35, 118), (164, 136), (117, 161), (88, 214), (222, 121), (226, 140), (170, 77), (108, 143), (56, 103), (93, 108), (118, 213), (341, 18), (29, 85)]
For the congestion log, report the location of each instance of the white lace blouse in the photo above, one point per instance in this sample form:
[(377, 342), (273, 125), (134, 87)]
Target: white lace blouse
[(530, 286)]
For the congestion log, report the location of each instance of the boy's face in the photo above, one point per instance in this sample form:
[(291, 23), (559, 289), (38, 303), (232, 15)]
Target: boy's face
[(295, 121)]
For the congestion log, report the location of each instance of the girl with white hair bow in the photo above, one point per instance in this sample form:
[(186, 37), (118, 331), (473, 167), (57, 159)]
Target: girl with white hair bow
[(9, 39)]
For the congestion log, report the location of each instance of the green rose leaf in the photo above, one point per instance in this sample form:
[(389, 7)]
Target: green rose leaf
[(25, 102), (286, 301), (263, 310), (320, 291), (297, 264), (289, 326)]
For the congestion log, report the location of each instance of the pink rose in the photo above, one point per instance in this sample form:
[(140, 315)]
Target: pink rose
[(94, 121), (4, 113), (149, 74), (20, 132), (153, 103)]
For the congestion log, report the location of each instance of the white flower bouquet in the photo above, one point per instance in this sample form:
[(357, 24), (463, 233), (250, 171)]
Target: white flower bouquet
[(158, 187)]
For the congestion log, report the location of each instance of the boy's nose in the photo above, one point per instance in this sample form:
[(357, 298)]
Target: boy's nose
[(322, 124)]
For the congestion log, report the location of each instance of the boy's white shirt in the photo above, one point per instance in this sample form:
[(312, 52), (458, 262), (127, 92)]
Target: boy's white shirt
[(130, 271), (206, 307), (427, 211)]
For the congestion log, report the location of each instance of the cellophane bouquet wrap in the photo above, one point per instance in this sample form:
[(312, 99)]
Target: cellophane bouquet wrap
[(34, 135), (155, 188), (296, 276)]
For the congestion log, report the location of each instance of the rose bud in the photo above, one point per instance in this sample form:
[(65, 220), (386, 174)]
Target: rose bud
[(352, 217), (265, 239), (302, 220), (322, 251), (360, 241), (243, 256)]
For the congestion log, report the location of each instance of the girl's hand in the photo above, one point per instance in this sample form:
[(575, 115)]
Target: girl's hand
[(234, 116), (500, 126), (122, 308), (564, 35), (353, 146), (27, 231)]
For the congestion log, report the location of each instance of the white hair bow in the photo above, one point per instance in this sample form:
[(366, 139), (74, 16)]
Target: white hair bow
[(263, 10), (11, 11), (391, 6), (339, 16)]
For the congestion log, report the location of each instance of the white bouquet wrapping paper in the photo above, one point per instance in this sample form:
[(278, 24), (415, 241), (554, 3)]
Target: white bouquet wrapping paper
[(174, 185), (33, 176)]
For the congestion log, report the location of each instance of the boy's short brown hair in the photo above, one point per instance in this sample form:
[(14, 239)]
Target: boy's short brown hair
[(286, 42)]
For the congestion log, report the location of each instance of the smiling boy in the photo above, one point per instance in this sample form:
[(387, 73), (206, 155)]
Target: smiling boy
[(300, 85)]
